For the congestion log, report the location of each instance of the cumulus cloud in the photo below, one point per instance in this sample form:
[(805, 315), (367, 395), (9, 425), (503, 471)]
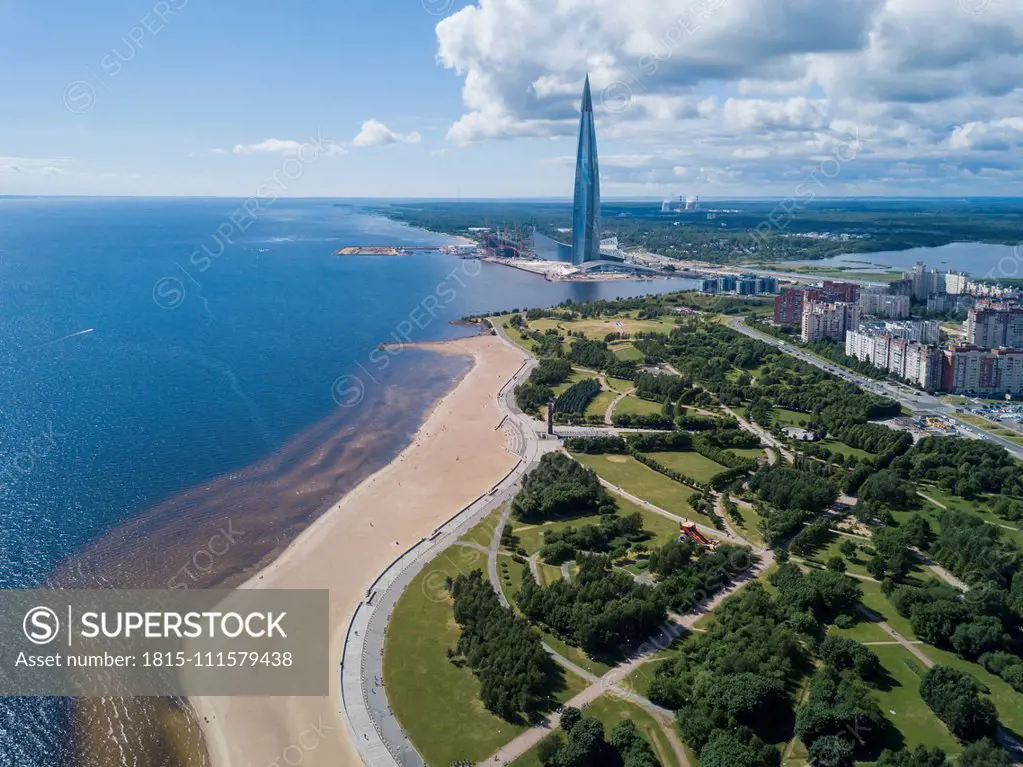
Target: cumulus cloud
[(375, 133), (751, 91)]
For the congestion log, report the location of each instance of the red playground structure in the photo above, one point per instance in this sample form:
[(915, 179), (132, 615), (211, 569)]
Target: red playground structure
[(689, 530)]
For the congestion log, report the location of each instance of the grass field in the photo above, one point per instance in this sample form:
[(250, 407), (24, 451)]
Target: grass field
[(857, 565), (620, 385), (980, 507), (436, 702), (510, 573), (874, 600), (748, 452), (483, 533), (531, 536), (790, 417), (627, 352), (633, 405), (611, 711), (599, 328), (548, 574), (841, 448), (898, 695), (750, 527), (635, 478), (691, 463), (601, 403)]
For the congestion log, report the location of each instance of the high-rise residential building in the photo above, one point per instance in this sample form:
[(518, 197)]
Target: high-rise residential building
[(915, 362), (828, 320), (926, 281), (844, 292), (788, 306), (956, 283), (903, 287), (993, 325), (973, 370), (586, 206), (884, 305)]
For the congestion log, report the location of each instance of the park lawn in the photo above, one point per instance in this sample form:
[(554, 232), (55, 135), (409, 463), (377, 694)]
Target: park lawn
[(437, 702), (574, 654), (628, 352), (483, 533), (830, 549), (612, 711), (664, 530), (980, 507), (620, 385), (790, 417), (633, 405), (863, 631), (510, 573), (599, 328), (643, 482), (514, 334), (748, 452), (531, 535), (841, 448), (874, 600), (601, 403), (690, 463), (898, 695), (576, 377), (548, 573), (749, 528), (1008, 702)]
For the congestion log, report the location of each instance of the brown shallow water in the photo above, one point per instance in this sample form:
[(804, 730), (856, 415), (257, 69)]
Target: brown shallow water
[(217, 534)]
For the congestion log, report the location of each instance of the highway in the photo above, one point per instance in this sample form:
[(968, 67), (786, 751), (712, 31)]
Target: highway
[(919, 403)]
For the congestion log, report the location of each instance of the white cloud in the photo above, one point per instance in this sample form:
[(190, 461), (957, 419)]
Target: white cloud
[(375, 133), (752, 92), (289, 147)]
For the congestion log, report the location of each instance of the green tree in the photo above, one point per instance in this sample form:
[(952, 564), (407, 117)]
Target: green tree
[(954, 697), (831, 751), (985, 753)]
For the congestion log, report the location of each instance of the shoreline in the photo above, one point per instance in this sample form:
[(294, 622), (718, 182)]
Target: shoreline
[(355, 540)]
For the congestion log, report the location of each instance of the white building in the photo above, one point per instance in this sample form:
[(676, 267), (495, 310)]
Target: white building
[(884, 305), (956, 283), (826, 320)]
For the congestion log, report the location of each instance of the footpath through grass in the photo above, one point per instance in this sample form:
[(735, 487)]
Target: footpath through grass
[(643, 482)]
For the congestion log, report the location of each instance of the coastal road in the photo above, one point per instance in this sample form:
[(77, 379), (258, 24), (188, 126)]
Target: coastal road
[(379, 738), (916, 402)]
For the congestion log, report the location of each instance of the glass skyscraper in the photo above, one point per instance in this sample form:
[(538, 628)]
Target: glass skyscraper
[(586, 208)]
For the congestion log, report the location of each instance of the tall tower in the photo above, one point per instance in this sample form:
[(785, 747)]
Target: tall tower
[(586, 207)]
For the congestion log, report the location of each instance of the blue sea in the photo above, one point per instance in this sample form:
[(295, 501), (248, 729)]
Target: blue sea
[(161, 369)]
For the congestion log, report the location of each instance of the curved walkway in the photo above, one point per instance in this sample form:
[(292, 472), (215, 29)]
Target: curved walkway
[(377, 734)]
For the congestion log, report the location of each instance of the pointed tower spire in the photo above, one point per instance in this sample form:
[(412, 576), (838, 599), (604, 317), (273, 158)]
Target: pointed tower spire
[(586, 205), (587, 99)]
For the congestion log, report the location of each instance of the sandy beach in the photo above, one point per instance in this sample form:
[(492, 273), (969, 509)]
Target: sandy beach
[(455, 456)]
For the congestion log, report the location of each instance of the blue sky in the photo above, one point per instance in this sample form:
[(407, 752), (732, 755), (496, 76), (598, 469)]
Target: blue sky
[(711, 97)]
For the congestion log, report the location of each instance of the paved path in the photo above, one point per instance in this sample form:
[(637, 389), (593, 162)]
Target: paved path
[(609, 413), (610, 682), (711, 531), (379, 738)]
